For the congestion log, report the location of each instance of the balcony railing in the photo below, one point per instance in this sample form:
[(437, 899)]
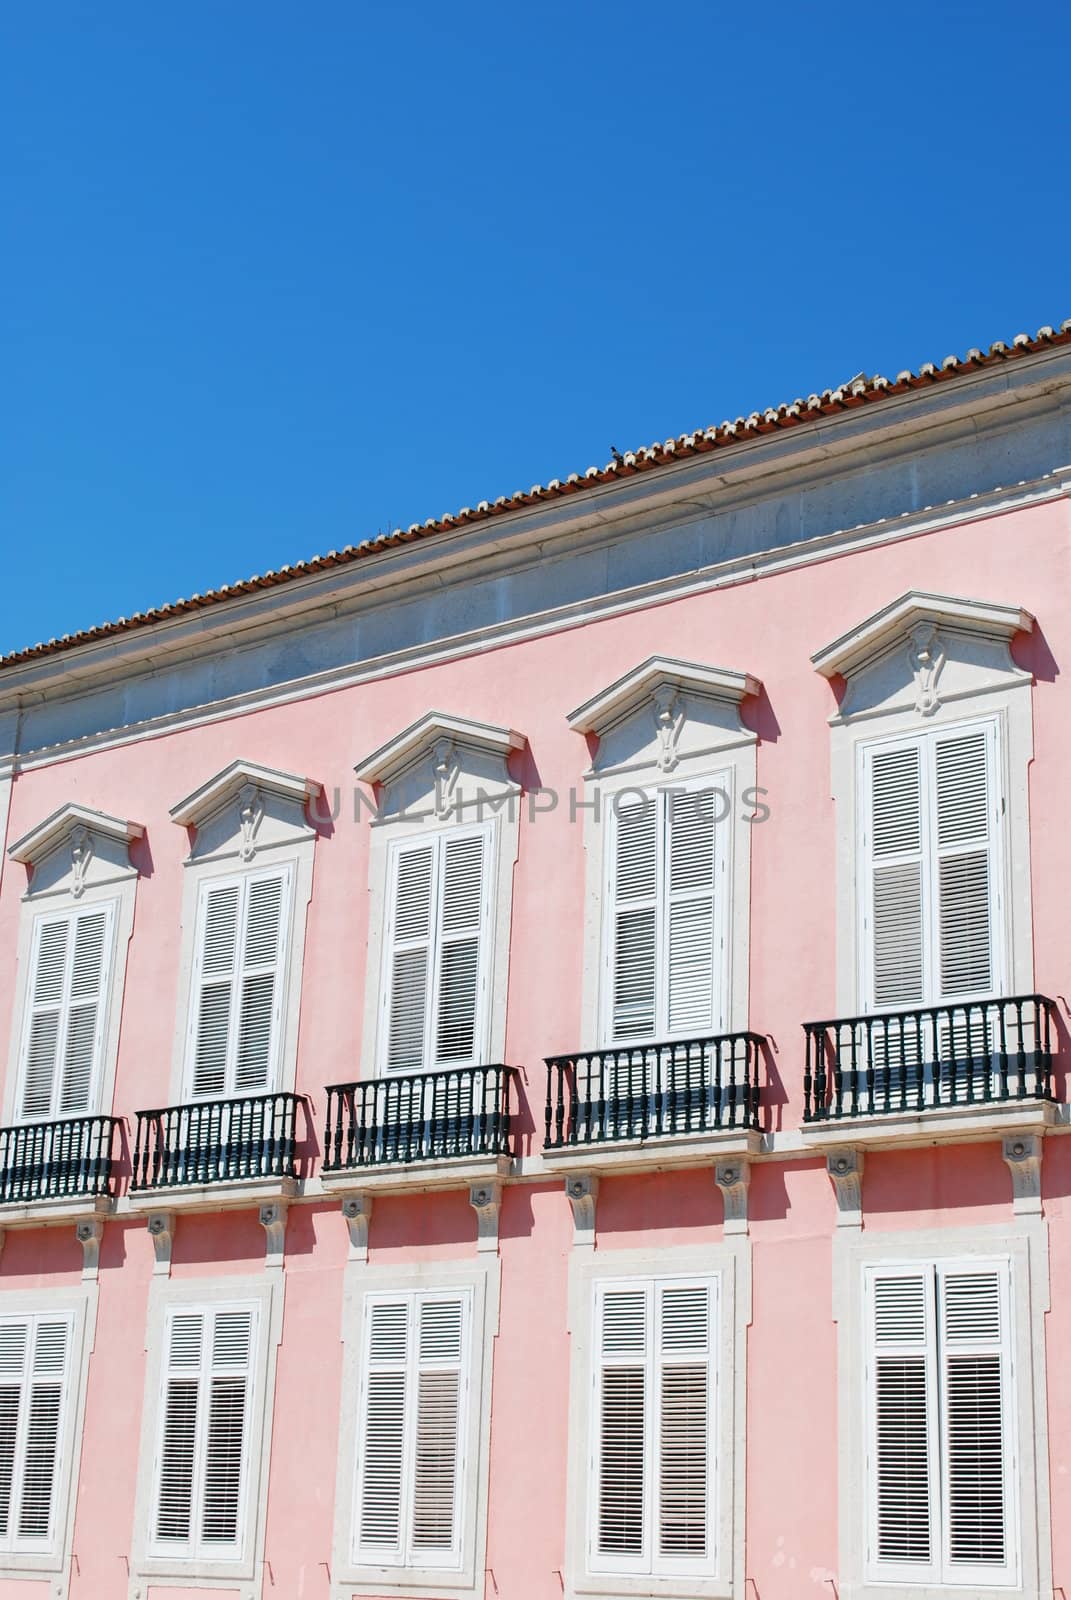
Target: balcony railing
[(216, 1141), (968, 1053), (423, 1116), (53, 1160), (653, 1090)]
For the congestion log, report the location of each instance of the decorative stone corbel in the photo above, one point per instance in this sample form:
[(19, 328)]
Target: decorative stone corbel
[(582, 1189), (89, 1234), (733, 1178), (669, 720), (845, 1168), (926, 654), (1022, 1153), (272, 1218), (357, 1210), (447, 769), (250, 816), (81, 856), (486, 1200), (162, 1233)]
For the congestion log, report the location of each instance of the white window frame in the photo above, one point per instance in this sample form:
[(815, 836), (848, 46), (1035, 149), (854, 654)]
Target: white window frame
[(661, 794), (730, 1264), (1024, 1247), (151, 1563), (921, 737), (70, 915), (479, 1279), (242, 881), (437, 839), (79, 1307)]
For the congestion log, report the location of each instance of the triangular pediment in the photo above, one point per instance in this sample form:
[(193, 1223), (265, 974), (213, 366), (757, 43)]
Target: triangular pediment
[(225, 786), (659, 676), (905, 619)]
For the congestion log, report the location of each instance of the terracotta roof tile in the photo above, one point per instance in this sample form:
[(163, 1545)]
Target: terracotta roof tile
[(857, 392)]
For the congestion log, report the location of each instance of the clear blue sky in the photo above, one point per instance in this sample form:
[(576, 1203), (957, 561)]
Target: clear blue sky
[(276, 277)]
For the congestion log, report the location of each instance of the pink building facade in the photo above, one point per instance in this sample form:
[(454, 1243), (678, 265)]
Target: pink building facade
[(537, 1044)]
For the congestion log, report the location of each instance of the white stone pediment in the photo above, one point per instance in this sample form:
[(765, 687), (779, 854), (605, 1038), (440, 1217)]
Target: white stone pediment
[(75, 849), (441, 765), (922, 651), (664, 713), (246, 809)]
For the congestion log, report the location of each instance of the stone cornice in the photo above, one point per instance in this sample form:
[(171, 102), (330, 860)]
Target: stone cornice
[(644, 682), (895, 623), (206, 800), (48, 835)]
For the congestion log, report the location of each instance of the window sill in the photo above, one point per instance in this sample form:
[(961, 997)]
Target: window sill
[(659, 1153), (416, 1177), (937, 1125), (619, 1586)]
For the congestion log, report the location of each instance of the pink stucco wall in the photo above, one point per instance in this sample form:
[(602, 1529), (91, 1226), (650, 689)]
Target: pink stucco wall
[(1019, 558)]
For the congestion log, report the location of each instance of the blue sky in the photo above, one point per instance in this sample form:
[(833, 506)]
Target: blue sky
[(277, 277)]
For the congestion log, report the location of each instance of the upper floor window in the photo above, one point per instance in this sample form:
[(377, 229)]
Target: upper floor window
[(932, 867), (669, 801), (665, 938), (931, 744), (78, 913), (443, 847), (435, 980), (239, 982), (246, 893)]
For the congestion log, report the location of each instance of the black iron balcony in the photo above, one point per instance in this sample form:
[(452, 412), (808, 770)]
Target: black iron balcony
[(648, 1091), (966, 1053), (216, 1141), (424, 1116), (55, 1160)]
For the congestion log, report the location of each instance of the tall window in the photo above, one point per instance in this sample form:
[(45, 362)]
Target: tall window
[(665, 943), (238, 984), (652, 1500), (931, 869), (65, 1019), (202, 1458), (412, 1415), (35, 1356), (941, 1427), (437, 951)]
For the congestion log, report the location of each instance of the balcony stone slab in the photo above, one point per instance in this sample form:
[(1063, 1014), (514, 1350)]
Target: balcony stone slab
[(914, 1130)]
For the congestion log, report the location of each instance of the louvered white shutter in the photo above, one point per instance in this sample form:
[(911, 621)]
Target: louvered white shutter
[(634, 911), (967, 876), (977, 1430), (65, 1014), (687, 1316), (692, 956), (895, 867), (34, 1364), (902, 1461), (619, 1535), (202, 1463), (413, 1404), (461, 938), (410, 956), (238, 982)]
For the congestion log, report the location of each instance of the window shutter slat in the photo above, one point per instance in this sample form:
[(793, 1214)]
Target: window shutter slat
[(690, 955), (635, 918), (383, 1433), (261, 960), (14, 1338), (65, 1006), (438, 1416), (622, 1422), (975, 1377), (87, 1000), (896, 867), (684, 1422)]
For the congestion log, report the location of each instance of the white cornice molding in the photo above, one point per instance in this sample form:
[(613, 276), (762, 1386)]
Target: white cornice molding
[(40, 842), (894, 624), (644, 682), (205, 801), (421, 738)]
